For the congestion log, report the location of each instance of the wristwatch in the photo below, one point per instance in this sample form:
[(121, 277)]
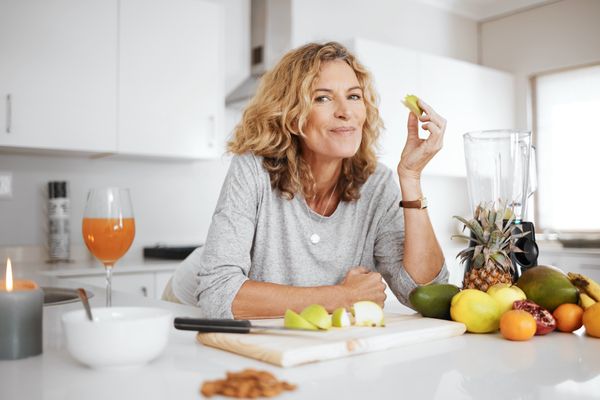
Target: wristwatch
[(420, 203)]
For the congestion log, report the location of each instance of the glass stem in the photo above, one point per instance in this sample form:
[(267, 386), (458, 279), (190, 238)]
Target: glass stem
[(108, 269)]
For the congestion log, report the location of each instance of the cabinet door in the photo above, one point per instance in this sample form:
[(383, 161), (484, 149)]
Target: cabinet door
[(394, 71), (470, 97), (171, 80), (161, 280), (141, 284), (58, 75)]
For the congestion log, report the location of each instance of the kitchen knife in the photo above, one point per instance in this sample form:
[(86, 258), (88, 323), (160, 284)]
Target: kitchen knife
[(205, 325)]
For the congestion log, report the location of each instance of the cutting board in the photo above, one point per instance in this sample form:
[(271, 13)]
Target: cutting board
[(290, 348)]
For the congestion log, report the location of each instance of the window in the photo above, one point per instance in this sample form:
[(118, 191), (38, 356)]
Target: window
[(567, 135)]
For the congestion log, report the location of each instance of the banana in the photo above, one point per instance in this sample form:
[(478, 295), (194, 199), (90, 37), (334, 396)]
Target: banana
[(585, 284), (586, 301)]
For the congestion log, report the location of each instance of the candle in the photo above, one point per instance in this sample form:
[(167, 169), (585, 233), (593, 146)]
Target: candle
[(21, 303)]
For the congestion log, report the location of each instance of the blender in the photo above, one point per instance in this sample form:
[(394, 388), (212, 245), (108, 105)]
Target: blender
[(501, 170)]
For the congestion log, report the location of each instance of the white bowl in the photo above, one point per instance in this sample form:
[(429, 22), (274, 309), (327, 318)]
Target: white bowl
[(118, 336)]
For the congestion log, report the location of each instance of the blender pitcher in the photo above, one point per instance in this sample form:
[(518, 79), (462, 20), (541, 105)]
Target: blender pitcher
[(501, 170)]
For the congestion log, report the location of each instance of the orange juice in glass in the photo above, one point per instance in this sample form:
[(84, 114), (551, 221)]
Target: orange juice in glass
[(108, 228)]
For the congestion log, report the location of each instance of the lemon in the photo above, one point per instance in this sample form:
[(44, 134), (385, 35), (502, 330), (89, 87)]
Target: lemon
[(477, 310)]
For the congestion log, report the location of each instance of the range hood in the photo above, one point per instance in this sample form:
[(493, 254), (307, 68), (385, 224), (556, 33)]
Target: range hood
[(270, 38)]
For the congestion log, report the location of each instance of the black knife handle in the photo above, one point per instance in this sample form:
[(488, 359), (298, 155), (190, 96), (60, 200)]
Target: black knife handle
[(206, 325)]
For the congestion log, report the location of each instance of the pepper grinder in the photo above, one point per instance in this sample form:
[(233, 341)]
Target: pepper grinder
[(59, 232)]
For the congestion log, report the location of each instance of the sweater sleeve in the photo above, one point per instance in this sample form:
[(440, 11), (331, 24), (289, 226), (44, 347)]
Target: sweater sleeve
[(224, 264), (389, 245)]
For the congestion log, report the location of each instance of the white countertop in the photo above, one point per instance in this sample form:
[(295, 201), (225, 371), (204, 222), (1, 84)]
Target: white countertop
[(556, 366)]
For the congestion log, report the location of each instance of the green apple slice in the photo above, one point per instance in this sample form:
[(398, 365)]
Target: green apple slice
[(293, 320), (317, 315), (367, 313), (412, 103), (340, 318)]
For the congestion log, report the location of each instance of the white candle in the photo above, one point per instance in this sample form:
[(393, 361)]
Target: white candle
[(21, 307)]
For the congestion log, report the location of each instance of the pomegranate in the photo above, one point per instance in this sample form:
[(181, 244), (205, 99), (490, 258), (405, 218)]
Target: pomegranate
[(543, 319)]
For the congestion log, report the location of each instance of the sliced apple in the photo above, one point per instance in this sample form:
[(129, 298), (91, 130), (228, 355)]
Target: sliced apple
[(367, 313), (412, 103), (340, 318), (293, 320), (317, 315)]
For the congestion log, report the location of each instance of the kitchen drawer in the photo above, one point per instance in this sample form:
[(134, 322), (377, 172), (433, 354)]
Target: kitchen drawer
[(141, 284)]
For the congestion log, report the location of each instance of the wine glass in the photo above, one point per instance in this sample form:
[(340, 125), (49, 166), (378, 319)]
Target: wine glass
[(108, 228)]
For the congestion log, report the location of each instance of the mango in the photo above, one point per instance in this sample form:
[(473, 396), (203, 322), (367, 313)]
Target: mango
[(547, 286), (433, 300)]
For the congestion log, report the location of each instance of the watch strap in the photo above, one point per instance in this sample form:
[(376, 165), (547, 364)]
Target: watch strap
[(419, 203)]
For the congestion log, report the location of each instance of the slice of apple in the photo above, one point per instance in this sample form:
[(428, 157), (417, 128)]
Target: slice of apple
[(293, 320), (367, 313), (317, 315), (412, 103), (340, 318)]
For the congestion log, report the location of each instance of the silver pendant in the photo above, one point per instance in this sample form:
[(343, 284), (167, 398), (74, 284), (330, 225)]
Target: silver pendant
[(314, 238)]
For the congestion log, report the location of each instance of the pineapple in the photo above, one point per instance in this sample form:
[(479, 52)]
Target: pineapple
[(492, 240)]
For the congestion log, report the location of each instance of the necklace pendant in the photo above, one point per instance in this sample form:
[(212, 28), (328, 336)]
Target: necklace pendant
[(314, 238)]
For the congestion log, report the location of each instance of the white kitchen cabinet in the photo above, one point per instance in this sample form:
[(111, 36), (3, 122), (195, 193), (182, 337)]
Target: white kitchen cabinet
[(58, 74), (146, 284), (581, 261), (161, 279), (171, 78), (469, 96), (113, 76)]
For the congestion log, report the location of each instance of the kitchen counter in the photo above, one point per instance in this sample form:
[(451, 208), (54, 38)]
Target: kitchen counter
[(556, 366)]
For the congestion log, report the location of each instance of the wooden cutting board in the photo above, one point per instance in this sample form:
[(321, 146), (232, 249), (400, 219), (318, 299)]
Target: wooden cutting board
[(290, 348)]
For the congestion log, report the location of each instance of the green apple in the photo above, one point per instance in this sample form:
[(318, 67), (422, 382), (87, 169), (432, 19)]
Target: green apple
[(367, 313), (340, 318), (412, 102), (317, 315), (293, 320), (505, 295)]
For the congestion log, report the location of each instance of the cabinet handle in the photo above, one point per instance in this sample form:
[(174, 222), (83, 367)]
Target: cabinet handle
[(8, 113), (144, 291)]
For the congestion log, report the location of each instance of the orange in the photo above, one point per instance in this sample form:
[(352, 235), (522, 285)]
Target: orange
[(517, 325), (591, 320), (568, 317)]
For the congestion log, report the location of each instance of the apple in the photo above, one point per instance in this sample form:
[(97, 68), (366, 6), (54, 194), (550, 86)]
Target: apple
[(340, 318), (293, 320), (505, 295), (412, 103), (367, 313), (317, 315)]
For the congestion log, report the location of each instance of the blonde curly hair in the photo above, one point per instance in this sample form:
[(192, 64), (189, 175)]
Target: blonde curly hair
[(272, 123)]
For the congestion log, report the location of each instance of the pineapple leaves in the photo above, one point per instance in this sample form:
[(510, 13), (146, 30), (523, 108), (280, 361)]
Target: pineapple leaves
[(493, 237)]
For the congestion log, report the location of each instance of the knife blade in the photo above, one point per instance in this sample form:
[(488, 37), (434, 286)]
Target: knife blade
[(206, 325)]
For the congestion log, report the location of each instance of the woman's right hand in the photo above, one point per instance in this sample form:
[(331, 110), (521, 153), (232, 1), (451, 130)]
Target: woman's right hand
[(362, 284)]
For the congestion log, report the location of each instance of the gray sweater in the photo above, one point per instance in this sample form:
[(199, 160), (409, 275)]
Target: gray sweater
[(256, 234)]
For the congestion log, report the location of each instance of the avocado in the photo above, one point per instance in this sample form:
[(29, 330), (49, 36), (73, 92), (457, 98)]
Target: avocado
[(548, 287), (433, 300)]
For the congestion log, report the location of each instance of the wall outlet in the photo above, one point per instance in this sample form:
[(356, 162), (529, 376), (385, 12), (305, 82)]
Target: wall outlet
[(5, 185)]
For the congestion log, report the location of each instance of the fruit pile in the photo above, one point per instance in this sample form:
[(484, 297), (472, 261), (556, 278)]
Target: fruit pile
[(315, 317), (542, 300)]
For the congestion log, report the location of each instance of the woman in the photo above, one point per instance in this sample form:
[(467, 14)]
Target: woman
[(306, 214)]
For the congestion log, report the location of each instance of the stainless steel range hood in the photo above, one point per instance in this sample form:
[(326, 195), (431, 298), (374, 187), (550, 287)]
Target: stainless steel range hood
[(270, 38)]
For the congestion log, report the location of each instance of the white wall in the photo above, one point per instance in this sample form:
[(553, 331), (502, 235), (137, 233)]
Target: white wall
[(558, 35), (172, 202), (398, 22)]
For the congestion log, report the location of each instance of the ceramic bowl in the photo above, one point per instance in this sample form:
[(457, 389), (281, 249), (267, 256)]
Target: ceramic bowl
[(118, 336)]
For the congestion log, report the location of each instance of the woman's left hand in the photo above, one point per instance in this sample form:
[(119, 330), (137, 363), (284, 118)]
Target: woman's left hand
[(417, 152)]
